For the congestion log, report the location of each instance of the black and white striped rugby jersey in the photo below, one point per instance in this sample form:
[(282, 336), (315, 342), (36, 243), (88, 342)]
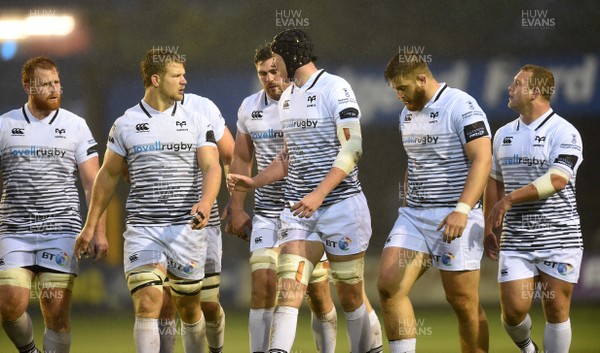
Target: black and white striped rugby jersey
[(38, 161), (258, 117), (309, 118), (433, 139), (160, 149), (523, 153)]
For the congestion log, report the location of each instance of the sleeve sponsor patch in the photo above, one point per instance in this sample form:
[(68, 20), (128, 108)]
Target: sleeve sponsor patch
[(93, 149), (567, 160), (475, 131), (349, 113), (210, 136)]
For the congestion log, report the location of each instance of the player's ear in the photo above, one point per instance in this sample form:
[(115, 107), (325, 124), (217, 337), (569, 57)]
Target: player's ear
[(155, 80), (535, 92), (421, 79)]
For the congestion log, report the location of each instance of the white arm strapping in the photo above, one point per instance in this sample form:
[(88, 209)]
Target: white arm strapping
[(543, 184), (351, 150)]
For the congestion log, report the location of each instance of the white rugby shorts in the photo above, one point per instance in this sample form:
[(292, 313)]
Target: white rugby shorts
[(52, 251), (416, 229), (179, 248), (344, 228), (564, 264)]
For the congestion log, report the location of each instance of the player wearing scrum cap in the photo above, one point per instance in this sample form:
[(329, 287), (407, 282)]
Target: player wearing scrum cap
[(165, 147), (259, 135), (530, 200), (320, 121), (446, 137), (42, 146)]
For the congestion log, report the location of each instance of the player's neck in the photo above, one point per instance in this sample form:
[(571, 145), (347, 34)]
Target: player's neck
[(534, 112), (157, 101), (304, 73), (37, 112), (431, 88)]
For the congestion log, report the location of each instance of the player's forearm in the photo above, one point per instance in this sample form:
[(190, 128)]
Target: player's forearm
[(211, 183), (523, 194), (476, 180), (102, 192), (492, 194), (277, 170), (333, 178), (243, 167)]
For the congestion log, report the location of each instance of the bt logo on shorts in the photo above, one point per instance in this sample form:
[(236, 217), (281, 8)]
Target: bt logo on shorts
[(445, 258), (258, 240), (343, 244), (562, 268), (189, 267), (61, 258)]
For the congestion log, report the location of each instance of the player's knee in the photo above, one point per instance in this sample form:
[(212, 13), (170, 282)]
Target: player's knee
[(185, 287), (295, 267), (209, 292), (145, 276), (348, 272), (463, 305), (264, 259), (320, 273)]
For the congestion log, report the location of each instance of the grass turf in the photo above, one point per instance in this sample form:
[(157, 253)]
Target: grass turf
[(102, 332)]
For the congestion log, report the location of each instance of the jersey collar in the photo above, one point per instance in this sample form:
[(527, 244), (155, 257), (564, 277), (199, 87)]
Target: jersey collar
[(148, 110), (437, 94), (26, 112), (311, 82), (537, 123)]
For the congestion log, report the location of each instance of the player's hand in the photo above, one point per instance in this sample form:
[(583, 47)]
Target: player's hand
[(82, 243), (238, 182), (453, 226), (490, 246), (498, 211), (237, 222), (200, 214), (99, 247), (308, 205)]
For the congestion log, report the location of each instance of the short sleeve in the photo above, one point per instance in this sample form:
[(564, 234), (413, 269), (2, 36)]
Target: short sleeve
[(241, 120), (343, 102), (87, 147), (496, 172), (115, 139), (470, 120), (566, 151)]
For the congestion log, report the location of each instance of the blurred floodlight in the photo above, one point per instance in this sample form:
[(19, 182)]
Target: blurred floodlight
[(16, 29)]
